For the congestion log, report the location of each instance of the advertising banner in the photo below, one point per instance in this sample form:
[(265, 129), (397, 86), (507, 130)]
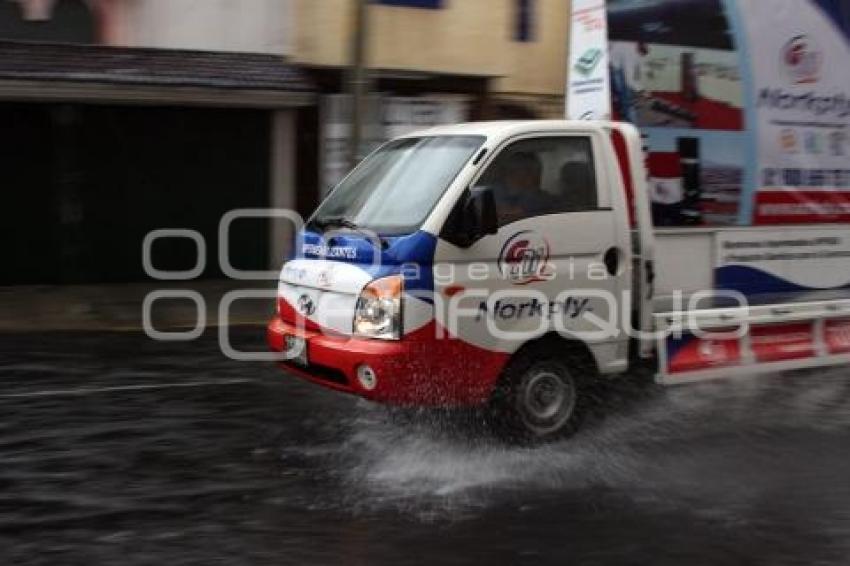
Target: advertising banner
[(837, 336), (768, 343), (692, 353), (755, 262), (744, 104), (801, 91), (589, 93), (676, 73), (781, 342)]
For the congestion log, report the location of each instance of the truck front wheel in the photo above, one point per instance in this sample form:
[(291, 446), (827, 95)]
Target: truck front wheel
[(540, 397)]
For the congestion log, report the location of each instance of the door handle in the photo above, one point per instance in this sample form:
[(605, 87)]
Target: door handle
[(612, 261), (649, 265)]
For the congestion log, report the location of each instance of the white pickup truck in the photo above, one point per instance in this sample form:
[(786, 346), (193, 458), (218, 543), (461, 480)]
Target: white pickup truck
[(509, 264)]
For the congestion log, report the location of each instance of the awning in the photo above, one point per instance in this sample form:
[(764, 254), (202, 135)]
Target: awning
[(93, 73)]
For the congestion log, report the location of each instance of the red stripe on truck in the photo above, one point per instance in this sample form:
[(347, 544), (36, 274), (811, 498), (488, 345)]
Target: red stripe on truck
[(622, 151)]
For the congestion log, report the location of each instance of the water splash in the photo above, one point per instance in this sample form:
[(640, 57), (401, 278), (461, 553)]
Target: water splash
[(703, 446)]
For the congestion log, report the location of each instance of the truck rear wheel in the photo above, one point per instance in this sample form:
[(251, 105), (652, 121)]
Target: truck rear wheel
[(540, 397)]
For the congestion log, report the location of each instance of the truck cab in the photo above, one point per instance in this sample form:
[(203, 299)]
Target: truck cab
[(475, 264)]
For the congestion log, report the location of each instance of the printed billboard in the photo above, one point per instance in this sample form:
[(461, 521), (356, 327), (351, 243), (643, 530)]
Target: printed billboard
[(675, 73), (768, 343), (589, 95), (801, 105), (782, 262), (744, 106)]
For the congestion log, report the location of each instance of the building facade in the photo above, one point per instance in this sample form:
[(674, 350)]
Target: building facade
[(520, 45), (429, 62), (127, 116)]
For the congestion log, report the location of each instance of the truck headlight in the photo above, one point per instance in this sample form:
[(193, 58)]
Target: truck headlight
[(378, 312)]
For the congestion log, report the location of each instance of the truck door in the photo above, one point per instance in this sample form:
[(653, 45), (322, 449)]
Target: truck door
[(560, 260)]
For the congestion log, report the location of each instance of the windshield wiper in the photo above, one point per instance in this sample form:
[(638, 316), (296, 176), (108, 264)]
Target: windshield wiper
[(335, 222), (345, 223)]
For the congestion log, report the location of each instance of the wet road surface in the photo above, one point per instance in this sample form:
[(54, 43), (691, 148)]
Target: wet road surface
[(115, 449)]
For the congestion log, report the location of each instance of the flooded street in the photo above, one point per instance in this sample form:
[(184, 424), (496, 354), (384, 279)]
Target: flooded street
[(115, 449)]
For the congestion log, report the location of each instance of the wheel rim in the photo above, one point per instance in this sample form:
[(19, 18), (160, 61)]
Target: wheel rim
[(547, 400)]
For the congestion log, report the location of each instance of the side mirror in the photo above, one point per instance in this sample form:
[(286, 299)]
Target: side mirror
[(479, 213), (473, 217)]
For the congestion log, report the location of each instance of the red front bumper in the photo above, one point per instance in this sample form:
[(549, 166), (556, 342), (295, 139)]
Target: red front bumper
[(418, 370)]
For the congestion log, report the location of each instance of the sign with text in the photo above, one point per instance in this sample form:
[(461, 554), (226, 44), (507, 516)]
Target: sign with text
[(588, 88), (744, 104), (801, 99), (757, 262), (837, 335), (781, 342)]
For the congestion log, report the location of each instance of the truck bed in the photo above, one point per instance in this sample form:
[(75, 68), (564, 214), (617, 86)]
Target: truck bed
[(793, 324), (686, 260)]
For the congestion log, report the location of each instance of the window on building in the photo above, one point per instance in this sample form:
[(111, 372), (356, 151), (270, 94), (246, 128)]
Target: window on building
[(524, 20), (432, 4), (539, 176)]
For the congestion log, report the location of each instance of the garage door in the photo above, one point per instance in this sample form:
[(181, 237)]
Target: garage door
[(82, 185)]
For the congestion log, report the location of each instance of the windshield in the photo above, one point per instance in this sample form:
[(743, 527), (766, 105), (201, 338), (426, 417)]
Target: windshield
[(394, 189)]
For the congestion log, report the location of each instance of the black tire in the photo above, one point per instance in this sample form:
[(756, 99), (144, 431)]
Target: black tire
[(541, 395)]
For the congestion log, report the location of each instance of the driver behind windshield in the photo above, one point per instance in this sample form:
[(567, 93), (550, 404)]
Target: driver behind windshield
[(517, 190)]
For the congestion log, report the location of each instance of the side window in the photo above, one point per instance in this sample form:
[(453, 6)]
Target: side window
[(549, 175)]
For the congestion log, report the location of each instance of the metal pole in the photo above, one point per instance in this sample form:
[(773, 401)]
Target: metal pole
[(359, 80)]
